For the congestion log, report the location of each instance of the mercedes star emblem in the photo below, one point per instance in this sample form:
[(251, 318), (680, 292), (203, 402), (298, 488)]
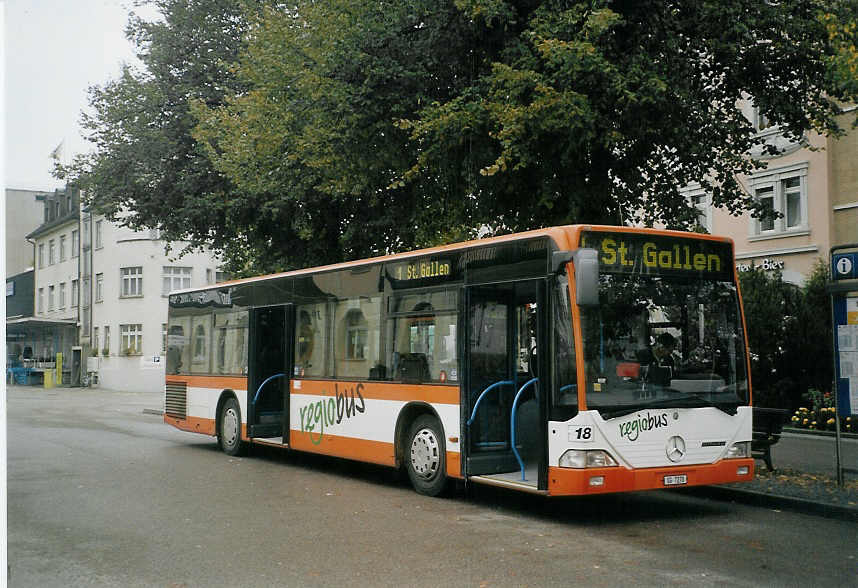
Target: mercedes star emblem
[(675, 448)]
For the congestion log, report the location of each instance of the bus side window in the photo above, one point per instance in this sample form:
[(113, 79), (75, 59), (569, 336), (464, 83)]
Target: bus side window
[(175, 345), (422, 337), (311, 334), (230, 341), (358, 341), (565, 386)]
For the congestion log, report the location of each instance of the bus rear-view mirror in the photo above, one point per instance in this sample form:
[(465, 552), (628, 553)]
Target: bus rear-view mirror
[(586, 263)]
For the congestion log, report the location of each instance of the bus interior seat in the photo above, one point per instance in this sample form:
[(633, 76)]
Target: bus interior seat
[(413, 368), (659, 375), (378, 372)]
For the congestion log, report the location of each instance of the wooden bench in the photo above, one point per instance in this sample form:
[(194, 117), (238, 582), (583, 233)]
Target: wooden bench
[(768, 424)]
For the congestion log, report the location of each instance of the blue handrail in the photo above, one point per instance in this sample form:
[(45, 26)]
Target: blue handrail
[(512, 421), (483, 393), (268, 379)]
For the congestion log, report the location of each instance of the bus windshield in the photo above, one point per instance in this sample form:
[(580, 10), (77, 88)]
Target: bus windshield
[(664, 342)]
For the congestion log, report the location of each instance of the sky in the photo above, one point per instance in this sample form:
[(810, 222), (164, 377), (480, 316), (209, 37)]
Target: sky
[(55, 50)]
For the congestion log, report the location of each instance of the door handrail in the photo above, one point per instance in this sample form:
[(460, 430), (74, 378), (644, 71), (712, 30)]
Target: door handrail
[(483, 393), (512, 421), (268, 379)]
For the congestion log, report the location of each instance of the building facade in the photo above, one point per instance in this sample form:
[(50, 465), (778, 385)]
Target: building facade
[(24, 212), (124, 307), (99, 294), (812, 185), (50, 335)]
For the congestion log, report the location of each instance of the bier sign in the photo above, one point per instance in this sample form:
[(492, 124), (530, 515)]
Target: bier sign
[(661, 255)]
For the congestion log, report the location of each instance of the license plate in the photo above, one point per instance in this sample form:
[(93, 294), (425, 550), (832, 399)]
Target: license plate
[(677, 480)]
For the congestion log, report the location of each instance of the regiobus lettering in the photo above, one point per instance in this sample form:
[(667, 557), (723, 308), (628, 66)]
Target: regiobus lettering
[(633, 428), (331, 411)]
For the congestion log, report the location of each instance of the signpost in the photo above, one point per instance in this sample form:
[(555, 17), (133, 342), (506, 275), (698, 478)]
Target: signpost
[(844, 312)]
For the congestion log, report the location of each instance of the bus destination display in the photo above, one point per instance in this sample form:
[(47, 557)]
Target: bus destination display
[(421, 272), (631, 253)]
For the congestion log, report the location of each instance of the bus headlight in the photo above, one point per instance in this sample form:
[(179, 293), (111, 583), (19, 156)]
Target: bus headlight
[(740, 449), (586, 458)]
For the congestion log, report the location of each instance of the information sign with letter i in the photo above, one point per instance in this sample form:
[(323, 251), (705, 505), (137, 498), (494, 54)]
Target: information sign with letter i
[(844, 312)]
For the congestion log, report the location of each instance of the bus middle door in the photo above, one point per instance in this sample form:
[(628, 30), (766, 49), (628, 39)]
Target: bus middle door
[(270, 369)]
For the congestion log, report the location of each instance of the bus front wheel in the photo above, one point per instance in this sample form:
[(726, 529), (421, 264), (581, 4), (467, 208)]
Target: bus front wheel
[(229, 431), (425, 457)]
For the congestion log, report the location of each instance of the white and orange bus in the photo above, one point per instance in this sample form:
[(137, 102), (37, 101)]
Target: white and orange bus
[(563, 361)]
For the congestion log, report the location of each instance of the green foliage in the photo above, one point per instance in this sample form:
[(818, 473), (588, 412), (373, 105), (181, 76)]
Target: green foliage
[(314, 141), (789, 335), (841, 23), (291, 134)]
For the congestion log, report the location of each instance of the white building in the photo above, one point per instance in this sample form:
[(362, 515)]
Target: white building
[(101, 296), (124, 307), (53, 327)]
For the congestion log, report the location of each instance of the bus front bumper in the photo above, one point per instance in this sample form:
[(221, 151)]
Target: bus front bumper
[(576, 482)]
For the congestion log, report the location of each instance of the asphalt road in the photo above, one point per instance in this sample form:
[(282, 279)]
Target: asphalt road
[(102, 494)]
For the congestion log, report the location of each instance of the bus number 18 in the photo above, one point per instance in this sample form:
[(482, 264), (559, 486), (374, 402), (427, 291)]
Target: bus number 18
[(581, 434)]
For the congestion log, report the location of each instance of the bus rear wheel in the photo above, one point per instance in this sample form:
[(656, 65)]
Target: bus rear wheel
[(425, 456), (229, 431)]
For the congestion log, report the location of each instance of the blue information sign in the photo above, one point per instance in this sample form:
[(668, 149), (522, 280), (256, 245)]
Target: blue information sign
[(844, 266), (846, 354)]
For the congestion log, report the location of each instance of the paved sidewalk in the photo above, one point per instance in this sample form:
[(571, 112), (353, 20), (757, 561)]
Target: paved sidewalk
[(792, 490)]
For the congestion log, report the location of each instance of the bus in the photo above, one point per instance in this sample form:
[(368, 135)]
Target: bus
[(570, 360)]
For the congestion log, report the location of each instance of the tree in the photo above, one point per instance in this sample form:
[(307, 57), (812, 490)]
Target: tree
[(345, 129), (315, 140), (841, 23), (146, 170), (602, 111), (789, 335), (811, 347)]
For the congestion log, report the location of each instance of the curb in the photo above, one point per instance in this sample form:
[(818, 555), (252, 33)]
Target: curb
[(815, 433), (754, 498)]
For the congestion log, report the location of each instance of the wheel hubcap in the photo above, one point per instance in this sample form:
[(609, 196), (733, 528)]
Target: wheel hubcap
[(230, 427), (425, 453)]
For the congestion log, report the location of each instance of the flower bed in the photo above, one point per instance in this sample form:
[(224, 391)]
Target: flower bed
[(821, 416)]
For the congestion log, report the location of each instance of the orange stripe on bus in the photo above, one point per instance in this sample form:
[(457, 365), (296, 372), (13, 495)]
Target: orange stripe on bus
[(454, 464), (576, 231), (348, 447), (377, 452), (381, 390), (192, 424), (216, 382), (570, 481), (560, 236)]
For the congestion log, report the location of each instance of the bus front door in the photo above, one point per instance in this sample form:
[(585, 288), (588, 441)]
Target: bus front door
[(504, 328), (269, 366)]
